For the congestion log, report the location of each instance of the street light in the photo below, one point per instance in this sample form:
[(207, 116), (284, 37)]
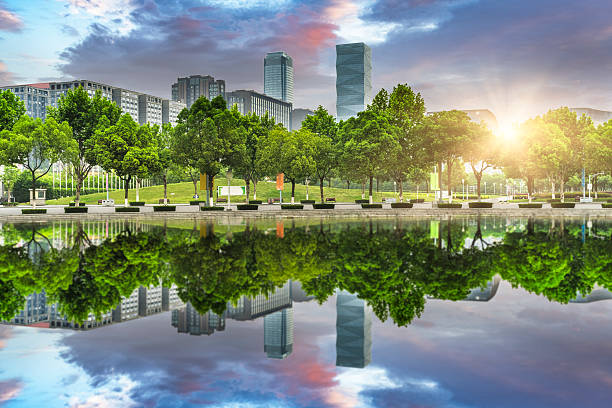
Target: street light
[(228, 174)]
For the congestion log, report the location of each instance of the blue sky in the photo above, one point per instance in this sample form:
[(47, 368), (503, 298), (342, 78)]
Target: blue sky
[(517, 58)]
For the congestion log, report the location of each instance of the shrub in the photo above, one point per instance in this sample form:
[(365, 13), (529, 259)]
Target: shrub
[(127, 209), (480, 204), (417, 200), (554, 200), (608, 205), (362, 201), (449, 205), (159, 208), (248, 207), (34, 211), (75, 210), (213, 208), (323, 206), (530, 205), (255, 202), (137, 203), (73, 204), (307, 201), (292, 206), (401, 205), (563, 205), (197, 202), (371, 206)]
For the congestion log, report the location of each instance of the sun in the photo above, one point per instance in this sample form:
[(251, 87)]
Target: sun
[(507, 131)]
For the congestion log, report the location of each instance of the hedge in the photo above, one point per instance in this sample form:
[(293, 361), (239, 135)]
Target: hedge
[(604, 205), (34, 211), (137, 203), (248, 207), (213, 208), (307, 201), (449, 205), (127, 209), (323, 206), (563, 205), (292, 206), (417, 200), (553, 200), (74, 210), (480, 204), (362, 201), (73, 204), (160, 208), (197, 202), (255, 202), (401, 205), (530, 205), (371, 206)]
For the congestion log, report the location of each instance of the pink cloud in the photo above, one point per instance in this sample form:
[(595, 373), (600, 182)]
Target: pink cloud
[(9, 21)]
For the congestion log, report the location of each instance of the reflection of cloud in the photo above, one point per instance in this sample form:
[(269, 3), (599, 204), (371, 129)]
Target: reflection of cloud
[(113, 394), (10, 389)]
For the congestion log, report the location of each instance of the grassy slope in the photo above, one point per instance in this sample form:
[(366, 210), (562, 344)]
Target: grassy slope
[(183, 193)]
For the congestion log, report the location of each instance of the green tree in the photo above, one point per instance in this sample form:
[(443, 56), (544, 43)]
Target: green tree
[(85, 116), (127, 148), (11, 109), (598, 151), (481, 151), (163, 141), (8, 178), (36, 145)]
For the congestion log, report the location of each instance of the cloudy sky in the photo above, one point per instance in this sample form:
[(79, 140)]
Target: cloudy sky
[(517, 58)]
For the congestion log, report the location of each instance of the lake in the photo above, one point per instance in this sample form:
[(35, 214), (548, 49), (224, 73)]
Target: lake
[(402, 312)]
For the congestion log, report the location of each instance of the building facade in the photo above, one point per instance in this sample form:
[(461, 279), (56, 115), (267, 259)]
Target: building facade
[(597, 116), (149, 110), (59, 89), (189, 89), (298, 116), (127, 101), (171, 110), (35, 97), (278, 76), (353, 79), (260, 104)]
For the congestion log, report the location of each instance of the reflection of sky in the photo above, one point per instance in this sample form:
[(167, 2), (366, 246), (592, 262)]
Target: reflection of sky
[(516, 350)]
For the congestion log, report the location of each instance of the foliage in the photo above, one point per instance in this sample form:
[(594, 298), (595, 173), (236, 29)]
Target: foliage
[(11, 110)]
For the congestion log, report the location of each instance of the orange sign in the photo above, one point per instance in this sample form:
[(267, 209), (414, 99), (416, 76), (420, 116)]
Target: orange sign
[(280, 181)]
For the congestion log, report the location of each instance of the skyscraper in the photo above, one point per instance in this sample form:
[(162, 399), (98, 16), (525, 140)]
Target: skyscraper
[(353, 331), (278, 76), (353, 79), (189, 89), (278, 333)]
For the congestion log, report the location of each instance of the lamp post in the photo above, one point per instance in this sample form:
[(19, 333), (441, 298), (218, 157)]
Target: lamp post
[(228, 173)]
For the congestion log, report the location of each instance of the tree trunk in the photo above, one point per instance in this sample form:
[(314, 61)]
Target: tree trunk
[(33, 201), (595, 186), (377, 183), (126, 186), (348, 184), (552, 189), (292, 191), (562, 190), (137, 189), (248, 189), (211, 178), (329, 182), (165, 189), (195, 185), (401, 191), (448, 178), (440, 180), (478, 179), (370, 191), (321, 189), (363, 190), (254, 190), (77, 198)]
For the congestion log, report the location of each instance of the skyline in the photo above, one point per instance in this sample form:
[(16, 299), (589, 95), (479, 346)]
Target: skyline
[(543, 56)]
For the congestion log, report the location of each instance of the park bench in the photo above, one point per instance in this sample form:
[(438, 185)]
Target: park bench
[(330, 199), (161, 201), (273, 200), (100, 202), (222, 200)]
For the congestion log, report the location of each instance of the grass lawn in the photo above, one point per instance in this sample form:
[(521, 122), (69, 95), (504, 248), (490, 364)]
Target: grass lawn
[(183, 193)]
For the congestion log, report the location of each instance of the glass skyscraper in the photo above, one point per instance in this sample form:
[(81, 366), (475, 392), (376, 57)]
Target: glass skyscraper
[(353, 79), (278, 76)]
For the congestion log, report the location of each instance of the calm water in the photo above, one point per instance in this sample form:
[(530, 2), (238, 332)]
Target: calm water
[(468, 312)]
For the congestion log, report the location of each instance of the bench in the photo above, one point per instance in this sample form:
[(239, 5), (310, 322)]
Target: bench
[(273, 200), (161, 201), (221, 200), (100, 202), (330, 199)]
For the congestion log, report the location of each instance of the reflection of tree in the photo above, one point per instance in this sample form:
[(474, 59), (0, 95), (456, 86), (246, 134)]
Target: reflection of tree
[(11, 300)]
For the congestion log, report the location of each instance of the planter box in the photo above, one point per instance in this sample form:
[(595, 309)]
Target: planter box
[(608, 205), (401, 205), (362, 201), (323, 206), (307, 201), (292, 207), (449, 205), (137, 203), (73, 204), (528, 205), (161, 208), (34, 211), (563, 205), (127, 209), (255, 202), (371, 206), (213, 208), (417, 200), (197, 202), (555, 200), (75, 210), (248, 207), (480, 204)]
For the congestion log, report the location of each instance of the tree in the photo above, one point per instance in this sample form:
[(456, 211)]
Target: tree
[(127, 148), (598, 151), (480, 151), (163, 141), (11, 109), (85, 116), (371, 138), (8, 178), (36, 145)]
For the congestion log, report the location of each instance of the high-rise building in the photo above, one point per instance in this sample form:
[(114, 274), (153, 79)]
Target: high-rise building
[(298, 116), (127, 101), (353, 331), (278, 333), (260, 104), (353, 79), (278, 76), (35, 97), (149, 110), (171, 110), (189, 89), (59, 89)]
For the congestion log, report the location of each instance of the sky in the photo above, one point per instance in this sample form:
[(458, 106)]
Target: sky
[(516, 350), (517, 58)]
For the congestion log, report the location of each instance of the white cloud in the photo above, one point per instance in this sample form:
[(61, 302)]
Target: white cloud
[(113, 13), (347, 15), (249, 4)]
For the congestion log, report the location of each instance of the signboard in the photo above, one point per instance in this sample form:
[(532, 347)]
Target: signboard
[(203, 181), (233, 190), (280, 181), (433, 181)]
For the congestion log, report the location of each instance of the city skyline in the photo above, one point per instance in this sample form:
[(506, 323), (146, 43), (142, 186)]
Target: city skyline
[(444, 50)]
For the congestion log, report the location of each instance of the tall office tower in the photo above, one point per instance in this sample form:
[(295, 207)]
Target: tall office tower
[(278, 333), (353, 331), (278, 76), (189, 89), (353, 79)]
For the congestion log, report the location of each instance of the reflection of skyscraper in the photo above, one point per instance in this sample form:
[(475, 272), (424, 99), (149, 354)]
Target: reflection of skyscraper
[(298, 294), (261, 305), (484, 294), (353, 79), (278, 333), (353, 331), (188, 320)]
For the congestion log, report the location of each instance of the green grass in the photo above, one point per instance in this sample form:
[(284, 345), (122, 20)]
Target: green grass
[(183, 193)]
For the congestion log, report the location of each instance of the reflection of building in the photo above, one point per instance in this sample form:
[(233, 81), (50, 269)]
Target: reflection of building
[(484, 294), (261, 305), (298, 294), (188, 320), (298, 116), (278, 333), (353, 79), (260, 104), (594, 296), (278, 76), (35, 310), (353, 331)]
